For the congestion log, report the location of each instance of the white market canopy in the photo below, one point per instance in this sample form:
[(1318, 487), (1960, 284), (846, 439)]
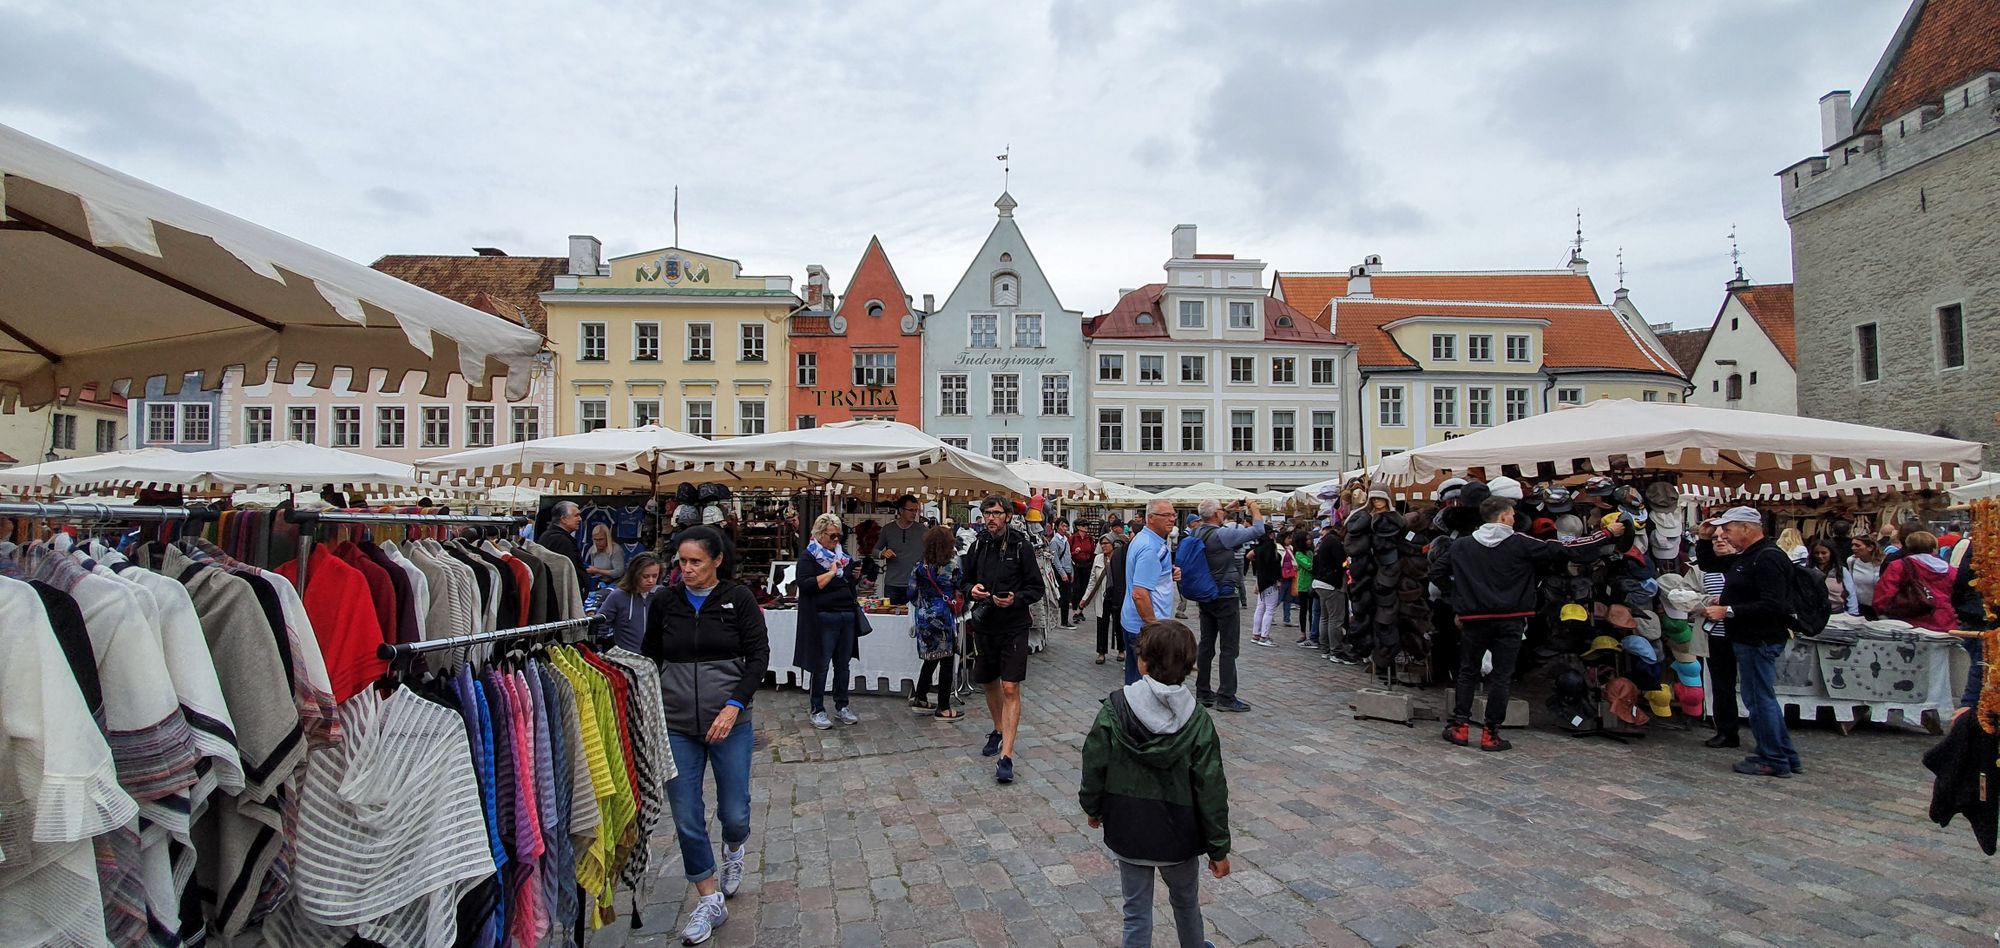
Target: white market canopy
[(109, 279), (1722, 446), (882, 457), (266, 464), (1205, 490), (614, 458), (1049, 479), (1981, 489), (1122, 495)]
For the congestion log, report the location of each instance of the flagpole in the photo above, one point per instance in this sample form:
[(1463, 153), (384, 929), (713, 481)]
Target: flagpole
[(677, 216)]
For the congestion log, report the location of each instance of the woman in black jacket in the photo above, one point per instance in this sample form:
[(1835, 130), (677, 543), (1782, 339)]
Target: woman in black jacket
[(1264, 564), (828, 613), (708, 635)]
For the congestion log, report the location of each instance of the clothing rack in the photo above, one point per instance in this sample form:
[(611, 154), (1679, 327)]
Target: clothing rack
[(85, 511), (387, 651), (307, 519)]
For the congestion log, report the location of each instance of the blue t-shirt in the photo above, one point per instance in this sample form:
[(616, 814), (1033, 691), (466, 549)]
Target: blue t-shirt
[(1149, 563), (695, 599)]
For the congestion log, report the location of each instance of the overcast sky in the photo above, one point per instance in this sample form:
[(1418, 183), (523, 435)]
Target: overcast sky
[(1441, 135)]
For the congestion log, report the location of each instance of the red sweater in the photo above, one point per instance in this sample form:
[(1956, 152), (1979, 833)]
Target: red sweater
[(338, 601)]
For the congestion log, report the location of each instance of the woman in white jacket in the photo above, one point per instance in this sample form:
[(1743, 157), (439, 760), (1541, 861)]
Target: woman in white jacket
[(1091, 605)]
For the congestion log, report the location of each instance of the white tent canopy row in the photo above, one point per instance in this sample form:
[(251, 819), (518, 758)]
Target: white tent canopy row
[(1051, 480), (1721, 446), (266, 464), (1204, 490), (111, 281), (1122, 495), (1981, 489)]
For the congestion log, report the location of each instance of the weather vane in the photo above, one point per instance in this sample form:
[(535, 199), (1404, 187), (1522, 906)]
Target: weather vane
[(1621, 268), (1577, 249), (1006, 166), (1735, 253)]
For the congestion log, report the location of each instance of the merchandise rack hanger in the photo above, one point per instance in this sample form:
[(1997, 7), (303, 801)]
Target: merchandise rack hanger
[(89, 511), (387, 651), (308, 517)]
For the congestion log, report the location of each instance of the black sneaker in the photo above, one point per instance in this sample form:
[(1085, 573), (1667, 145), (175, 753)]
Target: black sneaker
[(1233, 704), (1208, 701), (1723, 740), (1757, 768), (1004, 773), (992, 745)]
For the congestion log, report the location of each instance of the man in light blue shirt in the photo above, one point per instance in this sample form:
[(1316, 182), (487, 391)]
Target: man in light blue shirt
[(1059, 561), (1149, 580)]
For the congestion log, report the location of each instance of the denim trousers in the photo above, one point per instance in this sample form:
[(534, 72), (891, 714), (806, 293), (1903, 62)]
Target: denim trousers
[(1757, 675), (1183, 893), (1332, 618), (1131, 655), (1285, 598), (1221, 629), (836, 648), (693, 757)]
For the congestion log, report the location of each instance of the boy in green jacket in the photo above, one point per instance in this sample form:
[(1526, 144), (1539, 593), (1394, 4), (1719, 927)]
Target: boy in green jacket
[(1152, 779)]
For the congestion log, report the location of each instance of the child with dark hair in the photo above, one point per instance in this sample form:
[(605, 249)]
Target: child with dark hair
[(1152, 779)]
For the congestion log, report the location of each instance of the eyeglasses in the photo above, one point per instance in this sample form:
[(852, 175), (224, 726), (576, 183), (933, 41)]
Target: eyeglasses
[(995, 513)]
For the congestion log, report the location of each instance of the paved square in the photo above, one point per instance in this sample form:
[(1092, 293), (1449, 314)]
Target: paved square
[(893, 832)]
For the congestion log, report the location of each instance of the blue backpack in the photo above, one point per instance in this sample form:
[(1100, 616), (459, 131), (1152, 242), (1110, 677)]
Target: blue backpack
[(1197, 583)]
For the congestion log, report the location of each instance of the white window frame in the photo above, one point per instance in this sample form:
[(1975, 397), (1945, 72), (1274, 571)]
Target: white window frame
[(702, 350), (1197, 362), (351, 417), (1332, 367), (1111, 367), (1161, 367), (954, 395), (805, 369), (1472, 401), (1291, 364), (644, 350), (592, 410), (957, 441), (1239, 361), (259, 415), (1199, 428), (1242, 435), (751, 342), (161, 415), (426, 415), (972, 330), (1247, 310), (1191, 318), (1569, 395), (482, 426), (1111, 421), (1331, 430), (658, 413), (747, 420), (1508, 399), (524, 422), (62, 432), (1527, 347), (1284, 431), (392, 418), (1444, 406), (1159, 435), (197, 413), (993, 403), (1064, 388), (107, 427), (1028, 331), (1392, 402), (868, 373), (1444, 347), (1472, 341), (586, 334), (1008, 454), (1061, 458), (1650, 395), (707, 420)]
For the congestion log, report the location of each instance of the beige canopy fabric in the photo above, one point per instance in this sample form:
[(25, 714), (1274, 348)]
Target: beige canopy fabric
[(44, 477), (1048, 479), (110, 281), (881, 457), (1205, 490), (1722, 446), (267, 464), (1121, 495), (642, 458), (1981, 489)]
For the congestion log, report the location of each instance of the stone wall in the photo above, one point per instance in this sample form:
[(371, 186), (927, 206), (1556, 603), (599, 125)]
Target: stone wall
[(1891, 253)]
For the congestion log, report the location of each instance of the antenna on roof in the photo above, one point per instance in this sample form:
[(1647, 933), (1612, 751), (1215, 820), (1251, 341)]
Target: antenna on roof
[(1735, 253)]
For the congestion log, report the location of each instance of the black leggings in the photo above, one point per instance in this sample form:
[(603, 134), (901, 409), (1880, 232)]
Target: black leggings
[(1722, 669), (939, 668), (1104, 633)]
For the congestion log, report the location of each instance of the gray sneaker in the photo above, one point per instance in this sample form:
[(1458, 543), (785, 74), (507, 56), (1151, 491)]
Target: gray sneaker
[(708, 913), (847, 716), (730, 876), (821, 721)]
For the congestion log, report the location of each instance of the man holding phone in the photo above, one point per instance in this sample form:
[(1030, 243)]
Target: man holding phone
[(1004, 582)]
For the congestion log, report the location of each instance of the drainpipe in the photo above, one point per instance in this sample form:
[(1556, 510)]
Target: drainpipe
[(1546, 389), (1361, 419)]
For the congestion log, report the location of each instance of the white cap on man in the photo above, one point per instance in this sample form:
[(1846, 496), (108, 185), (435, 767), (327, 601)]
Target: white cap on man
[(1737, 515)]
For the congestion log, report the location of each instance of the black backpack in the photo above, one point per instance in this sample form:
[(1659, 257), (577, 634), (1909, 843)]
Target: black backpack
[(1805, 592)]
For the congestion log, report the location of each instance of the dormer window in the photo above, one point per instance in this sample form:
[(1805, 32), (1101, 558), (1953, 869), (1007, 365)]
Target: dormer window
[(1284, 322), (1006, 289)]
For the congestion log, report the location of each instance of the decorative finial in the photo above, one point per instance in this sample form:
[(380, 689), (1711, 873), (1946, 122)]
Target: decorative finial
[(1621, 268), (1577, 248), (1006, 167), (1735, 253)]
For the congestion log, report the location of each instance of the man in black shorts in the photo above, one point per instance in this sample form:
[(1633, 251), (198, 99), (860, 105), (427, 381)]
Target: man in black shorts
[(1004, 581)]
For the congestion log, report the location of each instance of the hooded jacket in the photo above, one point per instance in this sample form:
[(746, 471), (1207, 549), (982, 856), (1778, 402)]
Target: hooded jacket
[(1004, 564), (1152, 771), (1755, 585), (708, 657), (1935, 574), (1493, 571)]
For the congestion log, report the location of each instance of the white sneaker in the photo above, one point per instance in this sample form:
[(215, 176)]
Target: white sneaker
[(847, 716), (821, 721), (731, 874), (708, 913)]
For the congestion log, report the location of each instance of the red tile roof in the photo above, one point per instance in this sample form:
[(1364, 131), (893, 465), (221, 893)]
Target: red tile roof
[(1282, 323), (1950, 42), (811, 324), (1577, 336), (511, 285), (1123, 320), (1686, 346), (1771, 306), (1309, 292)]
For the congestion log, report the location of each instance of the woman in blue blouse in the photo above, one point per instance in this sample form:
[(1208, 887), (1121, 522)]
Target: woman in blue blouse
[(933, 585)]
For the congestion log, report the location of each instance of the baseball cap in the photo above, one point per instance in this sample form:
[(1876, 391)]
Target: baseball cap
[(1623, 696), (1602, 643), (1662, 700), (1677, 631), (1640, 648), (1689, 672), (1619, 615), (1574, 612), (1690, 699), (1736, 515)]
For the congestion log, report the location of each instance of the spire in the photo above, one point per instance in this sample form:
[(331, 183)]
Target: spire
[(1006, 204), (1736, 260), (1577, 263), (1621, 268)]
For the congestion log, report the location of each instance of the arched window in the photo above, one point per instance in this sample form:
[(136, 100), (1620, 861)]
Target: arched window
[(1735, 388), (874, 307), (1006, 289)]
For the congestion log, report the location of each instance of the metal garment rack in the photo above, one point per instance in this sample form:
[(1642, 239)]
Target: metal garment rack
[(308, 519), (75, 511), (387, 651)]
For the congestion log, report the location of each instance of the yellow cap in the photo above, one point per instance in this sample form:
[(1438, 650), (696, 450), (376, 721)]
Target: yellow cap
[(1662, 700), (1602, 643), (1574, 612)]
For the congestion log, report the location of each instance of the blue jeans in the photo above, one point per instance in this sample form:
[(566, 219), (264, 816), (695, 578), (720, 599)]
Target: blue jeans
[(836, 647), (731, 761), (1135, 882), (1285, 598), (1757, 677), (1131, 656)]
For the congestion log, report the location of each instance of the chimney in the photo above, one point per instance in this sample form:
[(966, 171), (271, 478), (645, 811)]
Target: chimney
[(1184, 242), (586, 254), (1836, 118), (1358, 282), (930, 303), (1372, 263), (1738, 283), (816, 297)]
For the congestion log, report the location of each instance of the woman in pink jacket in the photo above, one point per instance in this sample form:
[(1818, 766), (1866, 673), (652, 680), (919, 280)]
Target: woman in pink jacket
[(1919, 563)]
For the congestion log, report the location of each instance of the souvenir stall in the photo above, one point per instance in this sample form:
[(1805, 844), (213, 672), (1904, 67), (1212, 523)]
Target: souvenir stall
[(186, 729), (1623, 626)]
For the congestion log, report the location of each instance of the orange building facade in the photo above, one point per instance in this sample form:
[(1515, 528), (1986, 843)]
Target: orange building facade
[(860, 355)]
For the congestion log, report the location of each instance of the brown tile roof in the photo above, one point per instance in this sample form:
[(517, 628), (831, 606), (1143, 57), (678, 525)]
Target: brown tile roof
[(1686, 346), (1309, 293), (1771, 306), (1950, 42), (510, 285), (1283, 323), (1123, 320), (1577, 336), (812, 324)]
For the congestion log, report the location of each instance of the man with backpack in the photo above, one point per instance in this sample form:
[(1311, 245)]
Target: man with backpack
[(1211, 567), (1762, 611)]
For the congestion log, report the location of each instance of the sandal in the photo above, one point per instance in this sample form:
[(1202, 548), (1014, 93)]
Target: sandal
[(949, 714), (919, 705), (1100, 659)]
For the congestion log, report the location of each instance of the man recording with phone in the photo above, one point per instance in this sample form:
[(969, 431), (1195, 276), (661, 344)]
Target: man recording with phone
[(1004, 582)]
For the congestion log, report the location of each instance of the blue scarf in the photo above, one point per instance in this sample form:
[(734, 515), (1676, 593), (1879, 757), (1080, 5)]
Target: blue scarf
[(828, 559)]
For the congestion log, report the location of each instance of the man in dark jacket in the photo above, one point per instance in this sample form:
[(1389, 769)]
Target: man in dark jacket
[(1755, 603), (1329, 583), (1152, 778), (560, 537), (1494, 591), (1004, 581)]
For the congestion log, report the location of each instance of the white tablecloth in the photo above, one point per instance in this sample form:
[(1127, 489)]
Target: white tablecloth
[(888, 661), (1946, 664)]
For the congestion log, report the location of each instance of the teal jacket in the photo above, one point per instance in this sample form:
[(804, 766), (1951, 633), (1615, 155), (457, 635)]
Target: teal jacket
[(1162, 797)]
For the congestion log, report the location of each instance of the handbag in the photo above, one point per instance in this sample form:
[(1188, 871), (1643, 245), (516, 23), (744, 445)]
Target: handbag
[(861, 624), (1913, 599), (956, 601)]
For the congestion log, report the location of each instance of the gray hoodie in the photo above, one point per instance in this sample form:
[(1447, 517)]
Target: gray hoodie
[(1163, 709)]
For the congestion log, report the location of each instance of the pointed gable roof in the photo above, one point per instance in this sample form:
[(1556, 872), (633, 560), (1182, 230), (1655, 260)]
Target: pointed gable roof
[(1940, 44), (1686, 346), (1771, 306), (875, 264), (972, 285)]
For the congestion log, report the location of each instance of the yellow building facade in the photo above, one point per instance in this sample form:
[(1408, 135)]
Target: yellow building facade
[(670, 337)]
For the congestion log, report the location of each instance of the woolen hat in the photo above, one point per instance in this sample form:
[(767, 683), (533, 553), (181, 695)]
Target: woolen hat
[(1377, 492), (1448, 490), (1504, 486)]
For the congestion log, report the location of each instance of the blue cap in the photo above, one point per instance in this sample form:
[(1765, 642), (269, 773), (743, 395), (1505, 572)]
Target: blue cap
[(1640, 648)]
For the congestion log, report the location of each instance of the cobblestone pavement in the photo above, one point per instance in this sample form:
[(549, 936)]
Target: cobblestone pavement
[(892, 832)]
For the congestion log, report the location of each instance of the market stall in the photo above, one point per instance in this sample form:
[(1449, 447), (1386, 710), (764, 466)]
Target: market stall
[(1052, 481), (1194, 494), (888, 661), (261, 465)]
